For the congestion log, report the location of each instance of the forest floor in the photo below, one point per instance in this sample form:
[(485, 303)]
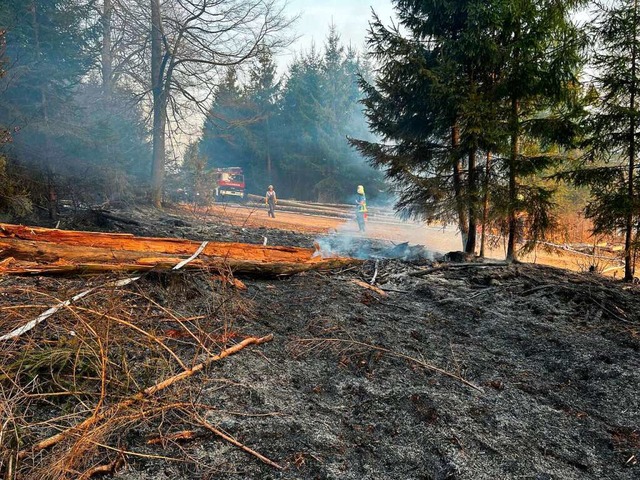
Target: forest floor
[(445, 371)]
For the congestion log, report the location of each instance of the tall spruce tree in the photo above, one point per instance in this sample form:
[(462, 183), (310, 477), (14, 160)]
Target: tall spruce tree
[(51, 45), (432, 104), (610, 164), (293, 132), (222, 139), (262, 95), (302, 126), (542, 58), (319, 109), (445, 97)]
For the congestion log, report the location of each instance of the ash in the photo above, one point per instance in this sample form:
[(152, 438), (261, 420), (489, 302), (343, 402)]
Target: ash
[(345, 390)]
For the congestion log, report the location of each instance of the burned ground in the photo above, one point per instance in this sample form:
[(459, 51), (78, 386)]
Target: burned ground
[(457, 372)]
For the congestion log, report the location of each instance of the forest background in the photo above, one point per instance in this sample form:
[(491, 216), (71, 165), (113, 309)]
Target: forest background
[(506, 116)]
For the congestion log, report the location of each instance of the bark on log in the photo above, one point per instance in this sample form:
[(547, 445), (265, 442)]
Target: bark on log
[(58, 251)]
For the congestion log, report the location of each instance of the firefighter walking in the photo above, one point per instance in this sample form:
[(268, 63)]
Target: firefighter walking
[(270, 200), (361, 208)]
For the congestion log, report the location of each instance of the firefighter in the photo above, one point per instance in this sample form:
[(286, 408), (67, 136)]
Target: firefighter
[(270, 200), (361, 208)]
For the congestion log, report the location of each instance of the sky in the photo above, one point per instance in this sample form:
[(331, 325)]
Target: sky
[(351, 18)]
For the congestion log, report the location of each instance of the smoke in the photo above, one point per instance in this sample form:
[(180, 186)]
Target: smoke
[(388, 237)]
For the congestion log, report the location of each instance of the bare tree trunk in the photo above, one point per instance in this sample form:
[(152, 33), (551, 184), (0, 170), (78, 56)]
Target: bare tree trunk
[(52, 199), (485, 204), (159, 106), (457, 186), (513, 187), (628, 258), (470, 247), (107, 60), (268, 149)]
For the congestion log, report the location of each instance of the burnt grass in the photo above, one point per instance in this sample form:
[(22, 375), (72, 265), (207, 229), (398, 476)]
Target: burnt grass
[(346, 389)]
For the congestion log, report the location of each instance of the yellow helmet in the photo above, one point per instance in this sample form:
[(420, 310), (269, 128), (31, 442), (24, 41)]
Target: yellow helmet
[(360, 190)]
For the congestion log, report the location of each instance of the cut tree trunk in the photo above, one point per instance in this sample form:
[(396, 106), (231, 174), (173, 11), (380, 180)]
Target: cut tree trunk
[(43, 250)]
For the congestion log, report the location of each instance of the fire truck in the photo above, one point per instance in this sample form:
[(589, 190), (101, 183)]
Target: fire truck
[(230, 184)]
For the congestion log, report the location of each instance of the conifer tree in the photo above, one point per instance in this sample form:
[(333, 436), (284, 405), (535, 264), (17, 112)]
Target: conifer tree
[(262, 94), (610, 164), (432, 102), (51, 45), (445, 97), (542, 58)]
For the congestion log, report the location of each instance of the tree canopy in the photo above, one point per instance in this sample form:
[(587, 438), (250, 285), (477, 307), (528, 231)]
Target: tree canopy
[(466, 82)]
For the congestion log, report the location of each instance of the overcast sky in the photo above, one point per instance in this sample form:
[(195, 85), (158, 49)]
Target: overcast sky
[(351, 18)]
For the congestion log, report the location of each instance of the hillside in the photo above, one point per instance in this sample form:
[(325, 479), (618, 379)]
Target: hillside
[(442, 370)]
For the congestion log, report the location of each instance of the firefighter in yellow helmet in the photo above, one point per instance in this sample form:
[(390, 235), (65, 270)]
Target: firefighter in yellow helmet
[(361, 208)]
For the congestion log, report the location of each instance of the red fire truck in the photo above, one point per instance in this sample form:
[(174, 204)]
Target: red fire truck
[(230, 183)]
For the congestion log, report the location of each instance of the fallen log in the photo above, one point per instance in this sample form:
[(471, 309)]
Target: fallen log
[(314, 212), (49, 251), (329, 209)]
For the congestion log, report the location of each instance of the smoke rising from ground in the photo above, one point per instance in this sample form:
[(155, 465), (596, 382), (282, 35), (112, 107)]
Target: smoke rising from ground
[(407, 240)]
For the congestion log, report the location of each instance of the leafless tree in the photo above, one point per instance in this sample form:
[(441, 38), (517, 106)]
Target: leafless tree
[(173, 52)]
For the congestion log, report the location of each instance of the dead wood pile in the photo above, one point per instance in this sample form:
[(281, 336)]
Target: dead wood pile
[(34, 250)]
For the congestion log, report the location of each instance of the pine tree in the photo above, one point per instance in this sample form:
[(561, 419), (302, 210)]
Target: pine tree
[(262, 92), (51, 45), (432, 102), (610, 164), (301, 126), (541, 63), (319, 110), (292, 132), (445, 97), (222, 142)]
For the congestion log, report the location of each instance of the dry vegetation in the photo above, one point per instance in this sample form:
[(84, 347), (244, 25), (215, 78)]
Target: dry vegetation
[(381, 369), (77, 387)]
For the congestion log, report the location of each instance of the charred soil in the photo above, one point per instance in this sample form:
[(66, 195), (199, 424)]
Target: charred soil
[(445, 371)]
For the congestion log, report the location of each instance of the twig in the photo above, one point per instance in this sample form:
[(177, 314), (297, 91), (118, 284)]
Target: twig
[(119, 283), (386, 289), (192, 257), (53, 440), (44, 315), (539, 287), (444, 266), (426, 365), (102, 469), (347, 269), (235, 442), (182, 435), (482, 292), (399, 307), (375, 274), (369, 287)]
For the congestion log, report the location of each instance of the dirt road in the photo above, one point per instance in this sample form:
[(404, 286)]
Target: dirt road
[(439, 239)]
